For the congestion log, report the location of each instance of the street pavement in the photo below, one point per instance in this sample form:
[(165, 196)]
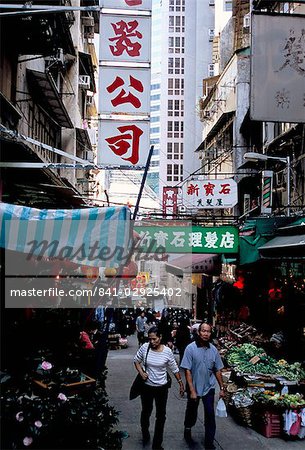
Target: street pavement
[(229, 435)]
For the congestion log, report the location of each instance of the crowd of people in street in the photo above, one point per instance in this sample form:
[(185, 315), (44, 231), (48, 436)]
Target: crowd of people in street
[(161, 338)]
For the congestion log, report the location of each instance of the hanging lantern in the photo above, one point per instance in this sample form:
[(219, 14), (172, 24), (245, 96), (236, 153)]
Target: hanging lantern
[(110, 272)]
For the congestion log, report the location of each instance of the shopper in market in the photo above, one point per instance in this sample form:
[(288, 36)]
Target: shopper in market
[(140, 327), (152, 361), (183, 337), (202, 364)]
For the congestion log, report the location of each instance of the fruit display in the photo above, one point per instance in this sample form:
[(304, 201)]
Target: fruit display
[(249, 359)]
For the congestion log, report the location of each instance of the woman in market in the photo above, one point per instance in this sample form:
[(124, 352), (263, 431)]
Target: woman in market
[(152, 361)]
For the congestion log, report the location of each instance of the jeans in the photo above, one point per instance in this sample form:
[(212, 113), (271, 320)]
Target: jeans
[(159, 394), (209, 415)]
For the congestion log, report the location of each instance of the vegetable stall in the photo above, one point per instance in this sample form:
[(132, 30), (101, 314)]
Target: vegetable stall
[(265, 393)]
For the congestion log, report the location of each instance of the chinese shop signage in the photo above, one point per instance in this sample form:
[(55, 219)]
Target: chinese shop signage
[(170, 201), (277, 83), (124, 83), (210, 194), (181, 239), (127, 4)]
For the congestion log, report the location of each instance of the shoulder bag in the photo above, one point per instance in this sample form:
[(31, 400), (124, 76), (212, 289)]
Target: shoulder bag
[(138, 383)]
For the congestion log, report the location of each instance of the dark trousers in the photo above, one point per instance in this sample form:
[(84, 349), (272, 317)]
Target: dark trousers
[(209, 415), (159, 394), (140, 337)]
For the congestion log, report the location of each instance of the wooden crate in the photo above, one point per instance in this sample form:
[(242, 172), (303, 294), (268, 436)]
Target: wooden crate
[(68, 388)]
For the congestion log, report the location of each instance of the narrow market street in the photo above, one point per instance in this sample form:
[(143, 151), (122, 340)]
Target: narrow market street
[(229, 435)]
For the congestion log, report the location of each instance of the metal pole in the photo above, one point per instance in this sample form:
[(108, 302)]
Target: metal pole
[(143, 182), (288, 186)]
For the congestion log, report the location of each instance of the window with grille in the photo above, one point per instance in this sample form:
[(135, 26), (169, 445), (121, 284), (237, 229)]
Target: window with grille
[(169, 169)]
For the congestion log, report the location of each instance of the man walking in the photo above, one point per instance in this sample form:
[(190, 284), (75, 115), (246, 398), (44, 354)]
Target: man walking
[(140, 326), (202, 364)]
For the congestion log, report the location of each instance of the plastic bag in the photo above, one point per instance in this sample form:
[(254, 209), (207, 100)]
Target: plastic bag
[(221, 410)]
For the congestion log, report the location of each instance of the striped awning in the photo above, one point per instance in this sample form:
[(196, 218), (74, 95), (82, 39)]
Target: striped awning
[(92, 236)]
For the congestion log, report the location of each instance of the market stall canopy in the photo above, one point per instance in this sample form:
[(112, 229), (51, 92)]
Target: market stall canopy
[(209, 264), (91, 237), (255, 233), (289, 244)]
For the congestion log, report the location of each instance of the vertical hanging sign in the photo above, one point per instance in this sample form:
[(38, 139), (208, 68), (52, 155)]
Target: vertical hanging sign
[(124, 83), (170, 201)]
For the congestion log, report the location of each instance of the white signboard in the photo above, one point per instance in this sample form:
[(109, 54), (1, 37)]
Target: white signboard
[(127, 4), (210, 194), (123, 143), (278, 68), (124, 90), (125, 38)]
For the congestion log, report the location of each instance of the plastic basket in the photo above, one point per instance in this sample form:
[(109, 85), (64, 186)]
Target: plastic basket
[(269, 424)]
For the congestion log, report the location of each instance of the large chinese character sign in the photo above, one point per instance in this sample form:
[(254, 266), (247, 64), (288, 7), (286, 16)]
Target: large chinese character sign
[(278, 68), (124, 83)]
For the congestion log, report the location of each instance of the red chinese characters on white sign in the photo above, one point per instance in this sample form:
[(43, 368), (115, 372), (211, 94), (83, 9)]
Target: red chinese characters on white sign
[(128, 140), (124, 89), (121, 142), (210, 194), (125, 38), (127, 91)]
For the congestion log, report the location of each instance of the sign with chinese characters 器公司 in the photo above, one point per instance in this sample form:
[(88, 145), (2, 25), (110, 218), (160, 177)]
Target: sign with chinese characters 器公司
[(124, 83), (126, 90), (181, 239), (170, 201), (210, 194), (125, 38), (277, 68), (124, 4), (121, 140)]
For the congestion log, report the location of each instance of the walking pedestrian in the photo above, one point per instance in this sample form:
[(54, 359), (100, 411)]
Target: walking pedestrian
[(183, 337), (202, 364), (140, 327), (157, 359)]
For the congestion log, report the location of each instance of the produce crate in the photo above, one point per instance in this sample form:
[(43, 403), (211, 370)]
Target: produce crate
[(269, 423)]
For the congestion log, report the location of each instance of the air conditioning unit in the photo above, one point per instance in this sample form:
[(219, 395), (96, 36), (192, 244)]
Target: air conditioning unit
[(89, 156), (211, 34), (181, 209), (246, 21), (206, 114), (89, 100), (88, 21), (84, 81)]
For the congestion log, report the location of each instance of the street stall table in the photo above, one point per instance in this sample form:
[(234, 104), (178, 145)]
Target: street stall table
[(260, 391)]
